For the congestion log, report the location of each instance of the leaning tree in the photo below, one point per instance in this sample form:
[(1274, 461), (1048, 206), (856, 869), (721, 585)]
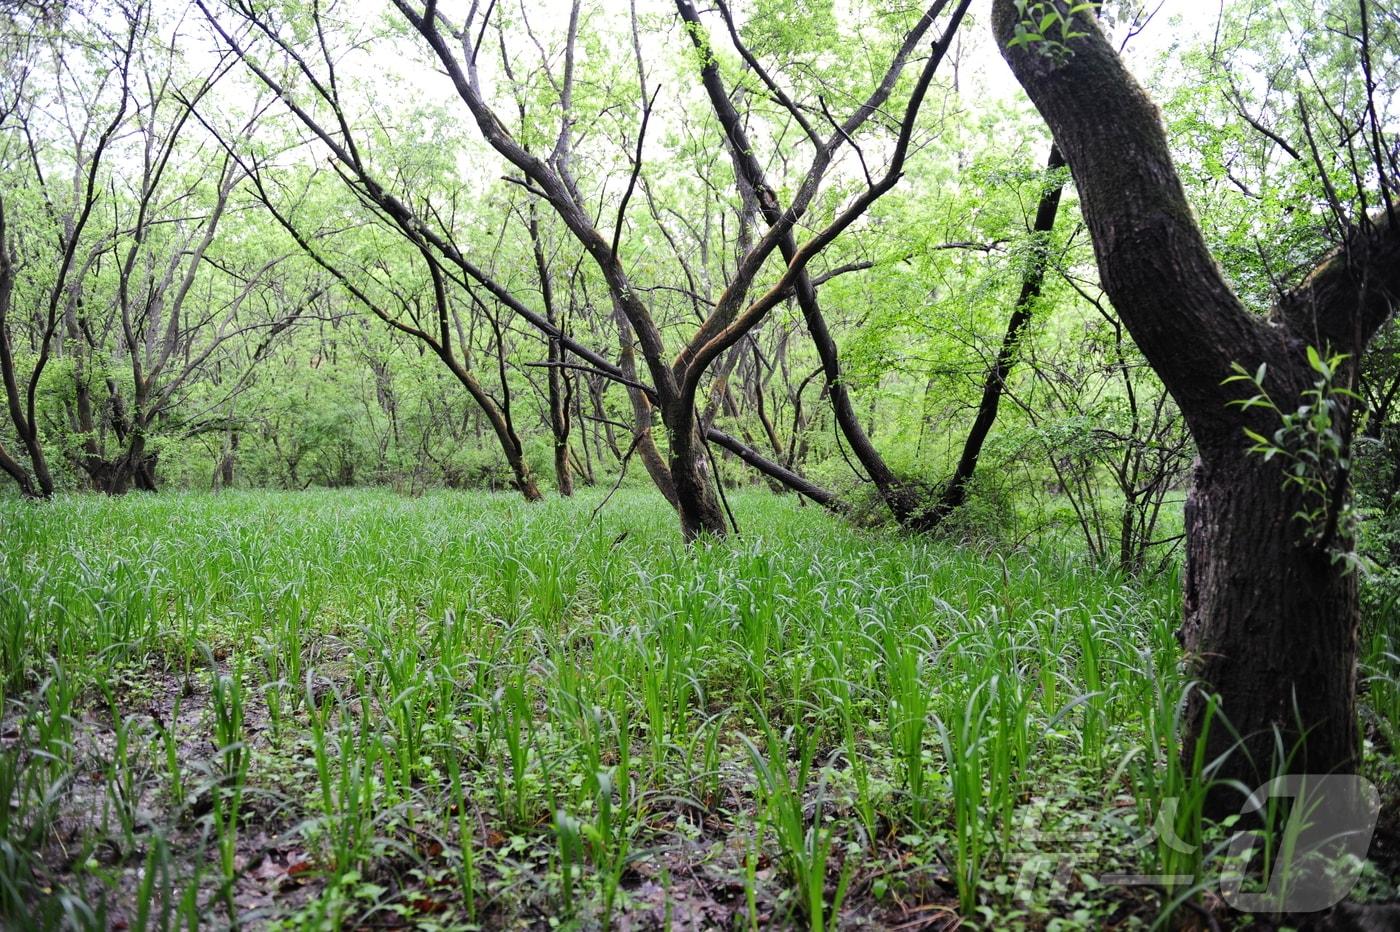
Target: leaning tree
[(1271, 618)]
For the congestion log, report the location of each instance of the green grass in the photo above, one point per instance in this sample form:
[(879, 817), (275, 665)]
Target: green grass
[(321, 709)]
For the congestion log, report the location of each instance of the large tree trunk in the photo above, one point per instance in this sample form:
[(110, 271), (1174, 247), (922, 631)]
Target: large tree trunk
[(110, 477), (145, 477), (1270, 624), (134, 469), (696, 501), (1270, 617), (524, 479)]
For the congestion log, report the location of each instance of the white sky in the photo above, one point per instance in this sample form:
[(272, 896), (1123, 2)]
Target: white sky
[(1173, 21), (982, 73)]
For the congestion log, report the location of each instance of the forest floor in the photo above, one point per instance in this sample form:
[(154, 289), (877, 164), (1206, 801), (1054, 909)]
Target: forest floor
[(359, 710)]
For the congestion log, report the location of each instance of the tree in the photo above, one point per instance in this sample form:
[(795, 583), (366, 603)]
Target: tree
[(1270, 609), (954, 493), (175, 308), (904, 501), (119, 209), (734, 315), (675, 379), (58, 257)]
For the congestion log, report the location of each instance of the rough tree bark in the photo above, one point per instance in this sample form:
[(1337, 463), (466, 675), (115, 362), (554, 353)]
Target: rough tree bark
[(1270, 620)]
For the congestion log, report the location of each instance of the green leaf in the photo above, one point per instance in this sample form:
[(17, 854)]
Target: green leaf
[(1314, 359), (1256, 437)]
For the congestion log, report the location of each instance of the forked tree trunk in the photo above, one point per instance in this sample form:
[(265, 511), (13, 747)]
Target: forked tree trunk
[(133, 469), (524, 480), (696, 498), (1270, 616), (905, 501)]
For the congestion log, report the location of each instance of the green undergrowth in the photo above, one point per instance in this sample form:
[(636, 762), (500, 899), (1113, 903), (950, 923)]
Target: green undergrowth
[(355, 709)]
